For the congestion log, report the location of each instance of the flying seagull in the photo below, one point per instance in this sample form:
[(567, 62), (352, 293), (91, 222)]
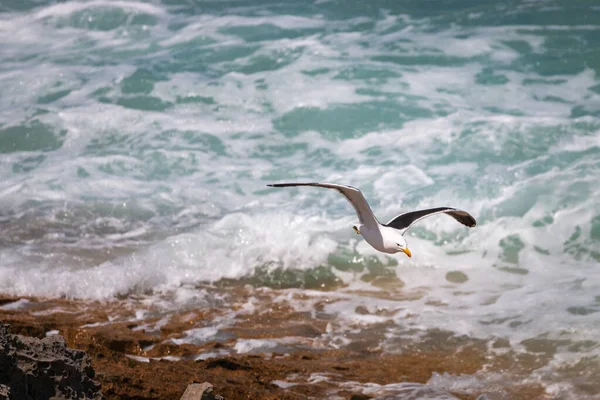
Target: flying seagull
[(387, 238)]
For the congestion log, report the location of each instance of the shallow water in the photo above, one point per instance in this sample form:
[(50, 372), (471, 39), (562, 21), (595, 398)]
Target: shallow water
[(136, 140)]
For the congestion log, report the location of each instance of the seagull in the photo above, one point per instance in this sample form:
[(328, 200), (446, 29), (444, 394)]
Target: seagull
[(387, 238)]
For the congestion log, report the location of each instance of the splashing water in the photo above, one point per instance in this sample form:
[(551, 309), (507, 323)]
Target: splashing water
[(136, 140)]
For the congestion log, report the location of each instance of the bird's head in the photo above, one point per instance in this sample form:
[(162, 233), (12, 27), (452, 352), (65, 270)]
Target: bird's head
[(403, 247), (398, 244)]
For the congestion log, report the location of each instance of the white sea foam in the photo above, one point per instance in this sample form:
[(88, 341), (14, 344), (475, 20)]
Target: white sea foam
[(212, 354), (15, 305), (198, 335), (400, 391), (68, 8), (238, 244), (147, 359), (283, 384), (253, 345), (134, 200)]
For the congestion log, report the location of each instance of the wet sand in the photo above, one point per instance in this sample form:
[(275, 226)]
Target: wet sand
[(129, 360)]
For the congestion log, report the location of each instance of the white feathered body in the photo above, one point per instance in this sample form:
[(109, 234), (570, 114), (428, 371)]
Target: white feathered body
[(385, 238), (382, 238)]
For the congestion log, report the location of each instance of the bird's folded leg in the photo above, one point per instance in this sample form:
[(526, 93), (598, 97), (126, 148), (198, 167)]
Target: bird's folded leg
[(356, 230)]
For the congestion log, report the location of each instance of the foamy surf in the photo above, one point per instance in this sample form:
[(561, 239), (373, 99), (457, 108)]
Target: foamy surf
[(137, 141)]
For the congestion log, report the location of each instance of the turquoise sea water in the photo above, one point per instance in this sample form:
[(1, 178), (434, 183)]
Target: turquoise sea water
[(137, 139)]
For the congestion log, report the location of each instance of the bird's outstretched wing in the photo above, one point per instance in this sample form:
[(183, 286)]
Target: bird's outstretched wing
[(405, 221), (352, 194)]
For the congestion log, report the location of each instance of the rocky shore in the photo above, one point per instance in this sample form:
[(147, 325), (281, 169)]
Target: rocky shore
[(45, 368), (127, 362)]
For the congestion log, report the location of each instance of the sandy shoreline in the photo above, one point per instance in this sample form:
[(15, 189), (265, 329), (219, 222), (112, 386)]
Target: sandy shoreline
[(132, 362)]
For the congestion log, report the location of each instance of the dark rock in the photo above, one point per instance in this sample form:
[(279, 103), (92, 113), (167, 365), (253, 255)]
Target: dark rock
[(227, 364), (4, 392), (31, 368)]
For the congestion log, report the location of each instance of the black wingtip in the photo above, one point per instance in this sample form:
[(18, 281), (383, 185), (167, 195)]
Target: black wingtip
[(473, 221), (470, 221), (465, 218)]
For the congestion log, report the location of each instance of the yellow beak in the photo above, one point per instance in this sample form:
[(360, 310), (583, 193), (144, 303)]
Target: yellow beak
[(407, 252)]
